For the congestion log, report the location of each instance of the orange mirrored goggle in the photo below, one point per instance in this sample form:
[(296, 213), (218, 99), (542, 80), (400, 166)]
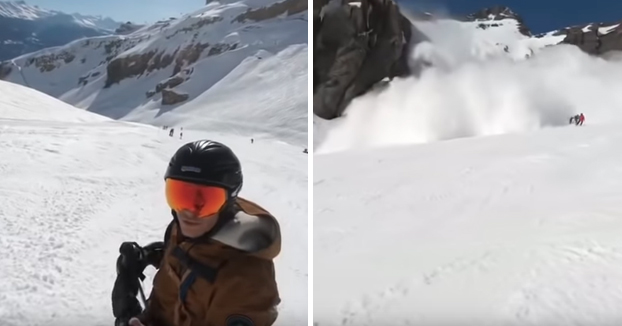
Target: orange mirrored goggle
[(202, 200)]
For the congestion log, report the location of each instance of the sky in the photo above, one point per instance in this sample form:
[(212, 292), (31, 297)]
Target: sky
[(539, 15), (137, 11)]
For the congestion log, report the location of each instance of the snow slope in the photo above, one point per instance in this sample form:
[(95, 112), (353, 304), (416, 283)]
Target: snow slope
[(76, 185), (465, 197), (519, 229), (211, 53)]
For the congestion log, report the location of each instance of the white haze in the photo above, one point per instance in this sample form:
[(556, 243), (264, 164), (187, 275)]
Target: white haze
[(469, 93)]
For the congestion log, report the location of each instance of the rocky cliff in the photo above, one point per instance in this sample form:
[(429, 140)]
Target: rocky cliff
[(356, 45)]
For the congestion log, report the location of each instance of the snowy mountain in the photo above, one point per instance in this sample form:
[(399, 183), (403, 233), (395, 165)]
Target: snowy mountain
[(593, 38), (22, 10), (232, 65), (25, 28), (77, 184), (463, 196)]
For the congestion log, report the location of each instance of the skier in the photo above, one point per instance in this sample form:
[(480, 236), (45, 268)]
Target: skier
[(171, 133), (581, 119), (252, 141), (575, 119), (215, 266)]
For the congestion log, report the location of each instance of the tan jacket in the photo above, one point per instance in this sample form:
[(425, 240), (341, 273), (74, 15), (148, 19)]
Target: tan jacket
[(236, 283)]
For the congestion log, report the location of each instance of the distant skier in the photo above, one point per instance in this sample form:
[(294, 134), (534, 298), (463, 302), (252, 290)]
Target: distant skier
[(215, 266), (172, 132), (181, 134), (576, 119), (252, 141), (581, 119), (305, 151)]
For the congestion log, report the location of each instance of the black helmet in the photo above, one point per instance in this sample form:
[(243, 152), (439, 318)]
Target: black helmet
[(209, 163)]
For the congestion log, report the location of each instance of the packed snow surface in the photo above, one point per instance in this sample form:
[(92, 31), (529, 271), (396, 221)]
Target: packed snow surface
[(519, 229), (465, 197)]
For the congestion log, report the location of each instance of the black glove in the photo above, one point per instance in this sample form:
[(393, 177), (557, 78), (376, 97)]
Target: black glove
[(131, 263)]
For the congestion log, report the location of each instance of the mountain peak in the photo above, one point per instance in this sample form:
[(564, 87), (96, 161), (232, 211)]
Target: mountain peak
[(22, 10), (496, 13)]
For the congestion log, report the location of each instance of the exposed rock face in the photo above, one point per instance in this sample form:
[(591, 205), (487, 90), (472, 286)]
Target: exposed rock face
[(357, 44), (138, 64), (594, 39), (291, 7), (133, 65), (127, 28), (169, 83), (49, 62), (170, 97)]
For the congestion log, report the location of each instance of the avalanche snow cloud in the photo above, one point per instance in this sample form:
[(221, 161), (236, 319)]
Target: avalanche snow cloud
[(473, 90)]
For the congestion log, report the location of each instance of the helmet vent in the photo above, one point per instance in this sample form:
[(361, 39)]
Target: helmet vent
[(190, 169)]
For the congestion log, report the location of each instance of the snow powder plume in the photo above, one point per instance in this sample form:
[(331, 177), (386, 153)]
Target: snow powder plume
[(478, 87)]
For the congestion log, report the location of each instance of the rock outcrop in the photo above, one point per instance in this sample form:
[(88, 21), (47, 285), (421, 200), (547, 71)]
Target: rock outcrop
[(288, 7), (499, 13), (127, 28), (357, 44), (596, 39), (170, 97), (139, 64)]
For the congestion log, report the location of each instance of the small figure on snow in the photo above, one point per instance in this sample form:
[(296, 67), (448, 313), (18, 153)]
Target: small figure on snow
[(252, 141), (577, 119), (172, 132), (212, 269)]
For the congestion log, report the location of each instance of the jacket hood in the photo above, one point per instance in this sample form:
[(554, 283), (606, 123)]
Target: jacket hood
[(253, 230), (250, 229)]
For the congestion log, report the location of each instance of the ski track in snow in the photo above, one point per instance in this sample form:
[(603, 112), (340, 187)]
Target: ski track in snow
[(519, 229), (72, 192)]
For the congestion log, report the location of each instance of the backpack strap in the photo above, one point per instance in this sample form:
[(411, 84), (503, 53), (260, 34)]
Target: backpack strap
[(167, 233)]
